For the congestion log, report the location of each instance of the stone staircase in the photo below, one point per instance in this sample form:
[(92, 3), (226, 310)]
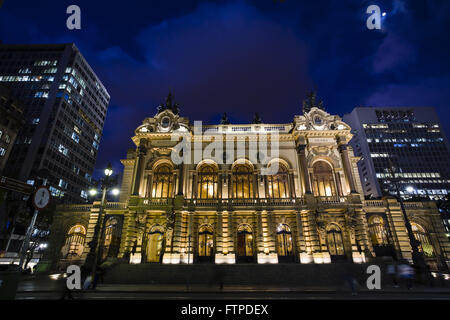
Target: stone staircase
[(289, 275)]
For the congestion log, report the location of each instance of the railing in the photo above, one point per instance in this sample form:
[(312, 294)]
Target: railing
[(74, 207), (156, 201), (413, 204), (116, 205), (248, 202), (331, 200), (374, 203)]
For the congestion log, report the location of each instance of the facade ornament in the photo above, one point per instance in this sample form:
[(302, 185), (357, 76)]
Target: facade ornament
[(224, 119), (311, 102), (256, 119)]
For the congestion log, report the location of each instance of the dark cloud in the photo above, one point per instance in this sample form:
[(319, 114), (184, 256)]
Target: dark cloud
[(246, 56)]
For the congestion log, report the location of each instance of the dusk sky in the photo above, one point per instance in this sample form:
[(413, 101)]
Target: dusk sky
[(243, 57)]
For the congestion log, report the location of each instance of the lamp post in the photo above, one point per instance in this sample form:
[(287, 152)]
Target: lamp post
[(417, 256), (93, 257)]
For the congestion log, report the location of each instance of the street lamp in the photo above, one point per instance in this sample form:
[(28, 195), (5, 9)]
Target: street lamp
[(417, 256), (93, 257)]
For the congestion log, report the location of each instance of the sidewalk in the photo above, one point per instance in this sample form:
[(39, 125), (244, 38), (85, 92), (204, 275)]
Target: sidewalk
[(43, 285)]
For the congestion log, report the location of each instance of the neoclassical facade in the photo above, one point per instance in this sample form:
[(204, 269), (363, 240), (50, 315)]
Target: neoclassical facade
[(228, 206)]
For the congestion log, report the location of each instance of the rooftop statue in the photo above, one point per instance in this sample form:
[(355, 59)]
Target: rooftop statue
[(169, 105), (311, 102)]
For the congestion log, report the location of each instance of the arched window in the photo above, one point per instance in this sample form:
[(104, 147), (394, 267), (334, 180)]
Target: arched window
[(162, 181), (421, 235), (323, 181), (284, 237), (278, 184), (244, 241), (378, 232), (335, 241), (205, 241), (74, 244), (154, 245), (242, 182), (112, 236), (207, 182)]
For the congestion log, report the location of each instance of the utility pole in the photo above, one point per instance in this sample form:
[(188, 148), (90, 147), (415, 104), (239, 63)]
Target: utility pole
[(41, 199)]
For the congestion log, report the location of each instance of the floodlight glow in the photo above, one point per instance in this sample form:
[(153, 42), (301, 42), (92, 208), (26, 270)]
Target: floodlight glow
[(410, 189), (115, 191), (92, 192)]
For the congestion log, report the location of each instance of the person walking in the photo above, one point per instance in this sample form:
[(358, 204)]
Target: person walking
[(392, 274), (406, 274)]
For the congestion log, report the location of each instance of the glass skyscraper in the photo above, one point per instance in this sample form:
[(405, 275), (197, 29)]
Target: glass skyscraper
[(409, 139), (65, 106)]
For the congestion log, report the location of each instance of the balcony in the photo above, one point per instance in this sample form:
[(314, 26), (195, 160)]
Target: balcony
[(332, 200), (261, 203)]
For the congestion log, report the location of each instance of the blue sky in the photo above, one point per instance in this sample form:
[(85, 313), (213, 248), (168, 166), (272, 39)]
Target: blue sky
[(243, 57)]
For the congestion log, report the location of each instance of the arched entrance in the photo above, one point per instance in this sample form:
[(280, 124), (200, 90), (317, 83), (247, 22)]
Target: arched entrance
[(205, 244), (74, 243), (154, 245), (111, 237), (335, 243), (323, 180), (379, 237), (245, 244), (425, 246), (285, 245)]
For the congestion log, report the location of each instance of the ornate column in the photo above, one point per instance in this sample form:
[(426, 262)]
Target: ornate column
[(190, 238), (338, 183), (292, 185), (220, 258), (301, 245), (141, 152), (181, 180), (255, 185), (301, 153), (343, 149)]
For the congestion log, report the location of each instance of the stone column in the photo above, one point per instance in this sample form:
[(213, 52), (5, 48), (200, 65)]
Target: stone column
[(301, 153), (301, 245), (292, 185), (343, 149), (181, 180), (266, 233), (255, 184), (338, 183), (141, 152), (190, 238), (194, 185), (219, 239), (219, 186)]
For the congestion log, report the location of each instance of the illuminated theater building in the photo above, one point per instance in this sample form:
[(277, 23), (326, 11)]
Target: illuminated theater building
[(311, 211)]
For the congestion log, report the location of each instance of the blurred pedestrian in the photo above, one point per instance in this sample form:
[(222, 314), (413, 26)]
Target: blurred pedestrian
[(392, 274), (406, 274), (87, 282), (66, 292), (349, 278)]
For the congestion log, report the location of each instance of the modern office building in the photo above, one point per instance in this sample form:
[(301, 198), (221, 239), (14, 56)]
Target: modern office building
[(229, 207), (65, 106), (409, 139), (11, 121)]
